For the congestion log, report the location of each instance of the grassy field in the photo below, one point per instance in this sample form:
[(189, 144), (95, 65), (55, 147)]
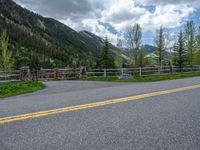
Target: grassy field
[(144, 79), (17, 88)]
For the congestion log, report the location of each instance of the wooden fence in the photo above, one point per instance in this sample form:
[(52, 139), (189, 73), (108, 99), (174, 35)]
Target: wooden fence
[(13, 75), (68, 73), (42, 74), (139, 72), (58, 74)]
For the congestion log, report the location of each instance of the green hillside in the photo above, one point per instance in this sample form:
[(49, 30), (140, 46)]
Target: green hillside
[(46, 41)]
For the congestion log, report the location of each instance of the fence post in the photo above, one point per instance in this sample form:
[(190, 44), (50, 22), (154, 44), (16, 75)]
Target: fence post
[(159, 69), (140, 71), (5, 75), (104, 73), (122, 71), (82, 71), (55, 74), (171, 69), (25, 74)]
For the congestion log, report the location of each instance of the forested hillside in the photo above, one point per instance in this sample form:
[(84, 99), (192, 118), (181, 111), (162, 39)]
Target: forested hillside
[(45, 41)]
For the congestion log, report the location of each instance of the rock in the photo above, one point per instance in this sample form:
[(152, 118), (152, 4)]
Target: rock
[(125, 76)]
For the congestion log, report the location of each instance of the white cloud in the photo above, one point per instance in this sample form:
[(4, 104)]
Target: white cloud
[(93, 26), (120, 14), (167, 2), (169, 16)]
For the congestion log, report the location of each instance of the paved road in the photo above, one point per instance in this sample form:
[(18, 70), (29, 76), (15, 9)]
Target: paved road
[(168, 122)]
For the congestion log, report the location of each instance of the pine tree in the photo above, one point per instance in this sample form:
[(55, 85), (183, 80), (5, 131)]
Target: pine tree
[(6, 60), (106, 60), (196, 60), (180, 52), (35, 62), (198, 39), (160, 46), (91, 61)]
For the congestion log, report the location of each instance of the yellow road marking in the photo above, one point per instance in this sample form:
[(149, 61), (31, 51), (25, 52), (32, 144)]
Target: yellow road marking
[(91, 105)]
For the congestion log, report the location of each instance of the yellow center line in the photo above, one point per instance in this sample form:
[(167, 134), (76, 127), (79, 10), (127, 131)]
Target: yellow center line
[(91, 105)]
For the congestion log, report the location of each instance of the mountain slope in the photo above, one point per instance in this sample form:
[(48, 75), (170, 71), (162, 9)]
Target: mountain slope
[(47, 41), (149, 49), (95, 42)]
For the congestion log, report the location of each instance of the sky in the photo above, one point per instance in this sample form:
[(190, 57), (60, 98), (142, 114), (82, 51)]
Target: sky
[(112, 17)]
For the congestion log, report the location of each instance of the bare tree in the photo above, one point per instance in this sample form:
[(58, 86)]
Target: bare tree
[(170, 41), (118, 58), (134, 36)]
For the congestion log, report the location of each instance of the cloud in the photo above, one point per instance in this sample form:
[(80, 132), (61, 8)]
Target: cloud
[(103, 17), (60, 9), (169, 16), (169, 2), (123, 14)]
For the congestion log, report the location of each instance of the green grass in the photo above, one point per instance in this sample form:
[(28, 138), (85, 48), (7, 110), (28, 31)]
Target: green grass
[(16, 88), (144, 79)]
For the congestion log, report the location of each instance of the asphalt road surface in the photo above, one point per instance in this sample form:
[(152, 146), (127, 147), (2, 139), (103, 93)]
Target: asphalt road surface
[(117, 116)]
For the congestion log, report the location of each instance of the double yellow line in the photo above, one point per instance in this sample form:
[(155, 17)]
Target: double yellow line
[(91, 105)]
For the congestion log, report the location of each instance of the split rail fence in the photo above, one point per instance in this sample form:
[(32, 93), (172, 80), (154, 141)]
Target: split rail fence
[(71, 74), (140, 72)]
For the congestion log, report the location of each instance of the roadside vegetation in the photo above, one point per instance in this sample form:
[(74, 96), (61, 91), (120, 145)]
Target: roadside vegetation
[(144, 79), (8, 89)]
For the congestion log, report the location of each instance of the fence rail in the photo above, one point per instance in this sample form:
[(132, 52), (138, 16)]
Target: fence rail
[(69, 73), (146, 71), (10, 75)]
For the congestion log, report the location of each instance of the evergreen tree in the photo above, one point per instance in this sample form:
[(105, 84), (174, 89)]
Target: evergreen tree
[(160, 46), (196, 58), (91, 61), (180, 52), (106, 60), (198, 39), (21, 59), (6, 60), (190, 39), (35, 61)]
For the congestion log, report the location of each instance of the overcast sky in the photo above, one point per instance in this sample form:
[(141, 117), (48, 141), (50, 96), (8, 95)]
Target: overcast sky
[(112, 17)]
